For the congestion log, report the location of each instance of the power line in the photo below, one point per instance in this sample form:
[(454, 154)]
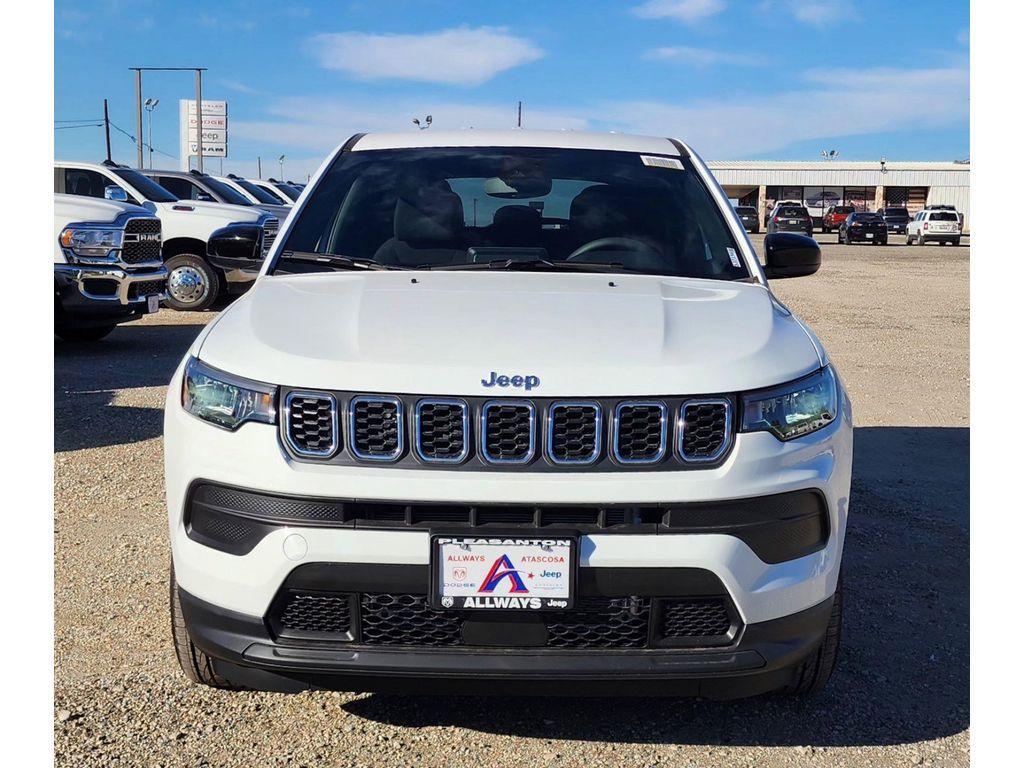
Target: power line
[(87, 125), (83, 120)]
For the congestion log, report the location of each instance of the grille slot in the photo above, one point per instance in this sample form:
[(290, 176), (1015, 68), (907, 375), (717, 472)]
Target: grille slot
[(442, 431), (375, 428), (705, 427), (574, 432), (508, 431), (137, 246), (695, 618), (142, 288), (311, 423), (270, 228), (320, 613), (640, 433), (398, 619), (599, 622)]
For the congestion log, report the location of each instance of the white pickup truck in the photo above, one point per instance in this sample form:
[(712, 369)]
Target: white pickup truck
[(510, 409), (107, 267), (193, 282)]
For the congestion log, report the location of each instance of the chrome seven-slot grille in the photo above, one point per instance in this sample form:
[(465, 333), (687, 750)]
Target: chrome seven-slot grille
[(270, 227), (506, 433), (139, 245)]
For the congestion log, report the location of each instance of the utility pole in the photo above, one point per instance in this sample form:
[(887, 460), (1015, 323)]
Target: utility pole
[(519, 120), (138, 118), (106, 125), (259, 167), (199, 119)]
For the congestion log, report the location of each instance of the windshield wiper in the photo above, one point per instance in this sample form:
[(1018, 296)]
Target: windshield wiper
[(336, 260), (535, 264)]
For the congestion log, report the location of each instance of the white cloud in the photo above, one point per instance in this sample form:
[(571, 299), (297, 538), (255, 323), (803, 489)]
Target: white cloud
[(816, 13), (461, 56), (700, 57), (837, 103), (686, 11), (831, 103), (240, 87)]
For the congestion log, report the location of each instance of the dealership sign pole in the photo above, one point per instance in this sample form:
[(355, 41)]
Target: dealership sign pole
[(138, 102), (202, 128)]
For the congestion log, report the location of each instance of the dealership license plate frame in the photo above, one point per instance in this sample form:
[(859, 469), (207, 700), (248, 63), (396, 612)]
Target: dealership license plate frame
[(547, 603)]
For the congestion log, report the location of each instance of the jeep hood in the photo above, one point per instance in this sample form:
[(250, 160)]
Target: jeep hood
[(443, 332)]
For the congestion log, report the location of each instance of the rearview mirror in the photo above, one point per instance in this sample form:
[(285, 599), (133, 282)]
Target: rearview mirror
[(787, 254), (114, 192), (236, 246)]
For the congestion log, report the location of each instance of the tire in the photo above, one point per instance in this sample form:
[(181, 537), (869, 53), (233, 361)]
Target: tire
[(197, 666), (955, 241), (192, 284), (87, 334), (813, 673), (825, 230), (920, 240), (910, 240)]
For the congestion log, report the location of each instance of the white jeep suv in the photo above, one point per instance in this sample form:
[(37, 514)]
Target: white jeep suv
[(510, 410)]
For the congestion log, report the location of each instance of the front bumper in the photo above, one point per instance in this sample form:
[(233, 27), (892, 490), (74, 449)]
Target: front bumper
[(759, 659), (87, 292)]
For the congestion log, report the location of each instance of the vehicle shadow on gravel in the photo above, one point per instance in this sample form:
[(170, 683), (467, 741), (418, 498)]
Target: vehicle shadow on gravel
[(88, 377), (903, 672)]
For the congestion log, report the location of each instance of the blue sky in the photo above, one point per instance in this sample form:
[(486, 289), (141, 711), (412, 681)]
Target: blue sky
[(779, 79)]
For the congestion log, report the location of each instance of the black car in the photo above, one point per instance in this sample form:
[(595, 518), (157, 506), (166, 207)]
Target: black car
[(895, 219), (863, 227), (748, 215), (790, 218)]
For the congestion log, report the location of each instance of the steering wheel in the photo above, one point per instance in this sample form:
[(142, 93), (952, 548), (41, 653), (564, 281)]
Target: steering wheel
[(638, 247)]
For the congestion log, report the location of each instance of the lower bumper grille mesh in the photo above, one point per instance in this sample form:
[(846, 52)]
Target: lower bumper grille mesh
[(407, 620)]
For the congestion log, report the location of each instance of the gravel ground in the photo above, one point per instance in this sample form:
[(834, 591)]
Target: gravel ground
[(894, 319)]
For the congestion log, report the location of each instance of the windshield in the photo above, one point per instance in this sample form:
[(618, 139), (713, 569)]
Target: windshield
[(843, 209), (943, 216), (469, 207), (746, 211), (868, 217), (895, 213), (146, 187), (258, 192), (227, 193), (290, 192)]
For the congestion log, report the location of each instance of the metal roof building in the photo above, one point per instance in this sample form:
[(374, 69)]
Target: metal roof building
[(864, 185)]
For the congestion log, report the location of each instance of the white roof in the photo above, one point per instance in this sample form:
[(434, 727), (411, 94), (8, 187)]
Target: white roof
[(837, 165), (471, 137)]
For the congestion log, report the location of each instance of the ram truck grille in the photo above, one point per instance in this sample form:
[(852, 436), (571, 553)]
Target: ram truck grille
[(139, 245)]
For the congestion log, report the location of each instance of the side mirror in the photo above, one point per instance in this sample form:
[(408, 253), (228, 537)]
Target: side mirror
[(114, 192), (236, 246), (787, 254)]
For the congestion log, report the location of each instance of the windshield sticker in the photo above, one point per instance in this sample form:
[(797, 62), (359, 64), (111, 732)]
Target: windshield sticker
[(733, 256), (662, 162)]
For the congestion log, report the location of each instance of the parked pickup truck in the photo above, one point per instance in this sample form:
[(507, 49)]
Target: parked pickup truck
[(193, 185), (834, 216), (574, 443), (107, 267), (193, 282)]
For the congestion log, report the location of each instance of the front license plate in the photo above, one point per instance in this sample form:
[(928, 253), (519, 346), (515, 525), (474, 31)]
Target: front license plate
[(869, 235), (505, 573), (152, 304)]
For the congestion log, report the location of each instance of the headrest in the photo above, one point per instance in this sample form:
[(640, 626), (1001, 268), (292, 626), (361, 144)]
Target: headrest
[(429, 215), (606, 211), (517, 217)]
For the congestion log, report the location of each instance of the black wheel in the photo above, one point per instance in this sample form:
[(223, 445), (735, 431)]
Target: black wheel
[(192, 284), (920, 240), (197, 666), (910, 240), (90, 333), (955, 241), (825, 230), (814, 672)]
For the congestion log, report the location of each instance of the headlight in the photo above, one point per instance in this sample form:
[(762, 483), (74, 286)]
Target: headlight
[(88, 241), (225, 400), (793, 409)]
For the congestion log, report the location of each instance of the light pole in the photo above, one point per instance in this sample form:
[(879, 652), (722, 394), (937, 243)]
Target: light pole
[(150, 106), (281, 161)]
